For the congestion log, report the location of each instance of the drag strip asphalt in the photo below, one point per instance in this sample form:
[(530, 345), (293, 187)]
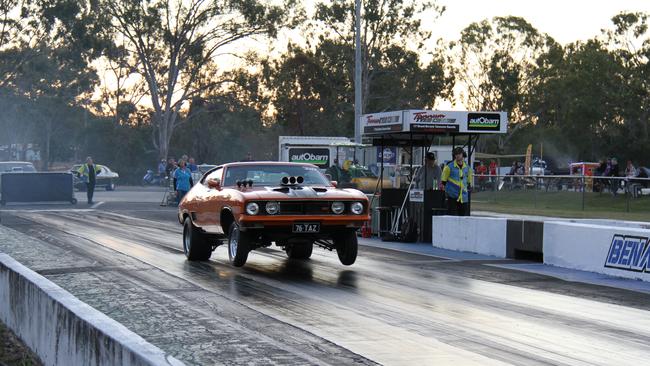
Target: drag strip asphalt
[(390, 307)]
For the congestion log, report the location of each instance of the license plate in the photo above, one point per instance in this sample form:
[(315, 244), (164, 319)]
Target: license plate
[(306, 228)]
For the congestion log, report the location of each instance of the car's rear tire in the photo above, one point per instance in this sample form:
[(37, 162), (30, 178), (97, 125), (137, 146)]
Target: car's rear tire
[(195, 244), (238, 246), (299, 251), (347, 247)]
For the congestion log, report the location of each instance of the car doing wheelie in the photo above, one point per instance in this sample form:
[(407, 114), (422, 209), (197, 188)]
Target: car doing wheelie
[(250, 205)]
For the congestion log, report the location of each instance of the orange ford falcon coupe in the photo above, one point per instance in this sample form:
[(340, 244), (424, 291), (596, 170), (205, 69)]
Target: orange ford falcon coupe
[(250, 205)]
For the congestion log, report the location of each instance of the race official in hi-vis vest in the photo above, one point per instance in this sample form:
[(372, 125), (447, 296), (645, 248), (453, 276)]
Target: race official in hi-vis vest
[(456, 180)]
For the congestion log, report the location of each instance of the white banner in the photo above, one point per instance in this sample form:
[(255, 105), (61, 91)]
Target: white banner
[(382, 122)]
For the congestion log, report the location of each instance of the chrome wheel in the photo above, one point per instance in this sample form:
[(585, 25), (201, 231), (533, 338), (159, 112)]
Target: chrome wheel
[(186, 240), (234, 240), (238, 246)]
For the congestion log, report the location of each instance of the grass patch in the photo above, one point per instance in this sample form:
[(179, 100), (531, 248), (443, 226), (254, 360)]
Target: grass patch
[(564, 204), (13, 352)]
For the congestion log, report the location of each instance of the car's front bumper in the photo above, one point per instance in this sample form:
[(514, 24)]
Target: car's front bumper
[(286, 222)]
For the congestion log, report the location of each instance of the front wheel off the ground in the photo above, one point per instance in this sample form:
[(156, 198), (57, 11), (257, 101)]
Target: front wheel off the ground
[(346, 247), (238, 246), (195, 243)]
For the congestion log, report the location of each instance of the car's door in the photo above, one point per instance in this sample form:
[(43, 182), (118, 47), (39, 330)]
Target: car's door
[(208, 203)]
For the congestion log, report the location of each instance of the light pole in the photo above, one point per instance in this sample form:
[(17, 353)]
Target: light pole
[(357, 72)]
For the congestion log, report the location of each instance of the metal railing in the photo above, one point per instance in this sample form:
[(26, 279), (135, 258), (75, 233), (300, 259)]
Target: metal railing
[(561, 192)]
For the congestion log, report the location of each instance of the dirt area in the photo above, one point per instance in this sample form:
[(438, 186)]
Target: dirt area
[(13, 352)]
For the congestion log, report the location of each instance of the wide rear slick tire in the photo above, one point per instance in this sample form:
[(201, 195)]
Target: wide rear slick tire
[(347, 247), (238, 246), (195, 243), (299, 251)]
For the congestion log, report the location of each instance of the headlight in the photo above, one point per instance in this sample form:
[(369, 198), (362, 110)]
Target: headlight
[(272, 208), (357, 208), (252, 208), (338, 207)]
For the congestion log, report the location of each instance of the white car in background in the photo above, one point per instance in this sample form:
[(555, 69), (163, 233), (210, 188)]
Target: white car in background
[(106, 178), (16, 167)]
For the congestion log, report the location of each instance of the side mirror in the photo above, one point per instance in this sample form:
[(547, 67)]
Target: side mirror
[(328, 176), (334, 183), (214, 183)]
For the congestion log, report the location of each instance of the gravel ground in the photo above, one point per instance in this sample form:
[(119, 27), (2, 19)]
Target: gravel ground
[(13, 352)]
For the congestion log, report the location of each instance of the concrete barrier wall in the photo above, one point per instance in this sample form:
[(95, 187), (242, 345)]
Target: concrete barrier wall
[(483, 235), (618, 251), (61, 329)]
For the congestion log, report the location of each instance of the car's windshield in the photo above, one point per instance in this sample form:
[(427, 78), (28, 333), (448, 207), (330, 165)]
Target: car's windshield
[(271, 175)]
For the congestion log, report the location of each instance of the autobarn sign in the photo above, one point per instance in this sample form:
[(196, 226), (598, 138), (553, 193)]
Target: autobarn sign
[(317, 156), (483, 122)]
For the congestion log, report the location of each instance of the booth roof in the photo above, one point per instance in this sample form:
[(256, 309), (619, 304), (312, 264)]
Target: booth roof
[(480, 155)]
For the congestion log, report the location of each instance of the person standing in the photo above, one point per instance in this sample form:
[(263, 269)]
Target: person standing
[(88, 173), (456, 180), (182, 180), (162, 170), (630, 173), (429, 176), (191, 165), (493, 173), (614, 171), (482, 171)]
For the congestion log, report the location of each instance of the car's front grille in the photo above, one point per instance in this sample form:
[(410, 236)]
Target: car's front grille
[(305, 208)]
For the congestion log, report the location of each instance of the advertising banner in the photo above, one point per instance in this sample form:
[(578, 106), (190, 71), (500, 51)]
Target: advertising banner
[(382, 122), (388, 155), (317, 156), (612, 250), (485, 122), (433, 121), (416, 195)]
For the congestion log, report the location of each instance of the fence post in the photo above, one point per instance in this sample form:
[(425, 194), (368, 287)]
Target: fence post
[(536, 188), (583, 192), (627, 195)]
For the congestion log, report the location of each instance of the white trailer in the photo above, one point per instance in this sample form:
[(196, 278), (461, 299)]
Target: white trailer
[(317, 150)]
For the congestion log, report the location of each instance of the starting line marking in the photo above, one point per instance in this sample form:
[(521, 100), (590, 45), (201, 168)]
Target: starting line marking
[(97, 204)]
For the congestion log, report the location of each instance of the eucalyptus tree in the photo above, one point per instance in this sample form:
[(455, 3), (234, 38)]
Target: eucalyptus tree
[(391, 33), (174, 45)]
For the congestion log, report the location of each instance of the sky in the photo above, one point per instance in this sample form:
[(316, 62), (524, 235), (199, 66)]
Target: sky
[(564, 20)]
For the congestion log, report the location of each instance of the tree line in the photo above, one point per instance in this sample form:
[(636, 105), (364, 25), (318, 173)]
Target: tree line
[(130, 82)]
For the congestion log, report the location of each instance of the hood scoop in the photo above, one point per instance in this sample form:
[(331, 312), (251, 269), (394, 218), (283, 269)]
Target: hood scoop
[(300, 192), (281, 189)]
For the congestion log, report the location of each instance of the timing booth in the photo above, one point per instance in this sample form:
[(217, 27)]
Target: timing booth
[(405, 209)]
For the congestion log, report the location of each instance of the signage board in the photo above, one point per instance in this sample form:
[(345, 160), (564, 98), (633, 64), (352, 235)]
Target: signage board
[(485, 122), (388, 155), (433, 121), (384, 122), (629, 253), (416, 195), (317, 156)]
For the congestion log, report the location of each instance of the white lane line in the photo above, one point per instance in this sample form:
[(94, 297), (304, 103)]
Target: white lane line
[(97, 204)]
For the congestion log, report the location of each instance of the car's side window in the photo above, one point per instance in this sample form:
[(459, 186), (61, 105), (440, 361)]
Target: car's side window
[(212, 175)]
